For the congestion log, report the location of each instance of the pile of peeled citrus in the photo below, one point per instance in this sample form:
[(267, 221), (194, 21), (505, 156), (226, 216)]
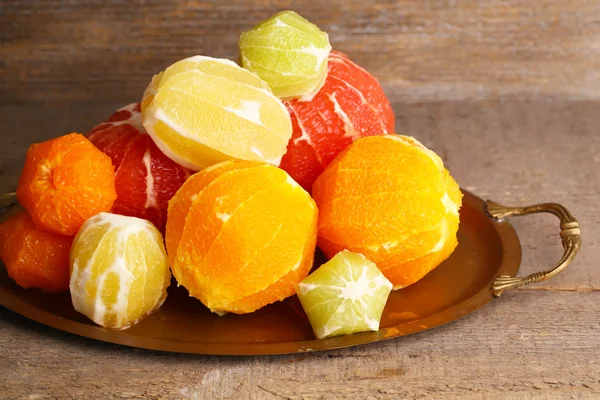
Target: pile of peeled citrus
[(245, 169)]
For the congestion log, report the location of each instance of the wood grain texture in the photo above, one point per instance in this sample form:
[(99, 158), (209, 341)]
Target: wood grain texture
[(524, 346), (420, 50), (506, 91)]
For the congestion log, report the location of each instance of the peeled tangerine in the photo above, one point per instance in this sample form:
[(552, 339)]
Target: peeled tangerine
[(119, 270), (351, 105), (240, 235), (145, 179), (345, 295), (34, 258), (202, 110), (65, 181), (390, 199), (289, 53)]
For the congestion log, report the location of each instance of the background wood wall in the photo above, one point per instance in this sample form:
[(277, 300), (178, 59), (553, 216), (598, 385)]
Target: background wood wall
[(106, 51)]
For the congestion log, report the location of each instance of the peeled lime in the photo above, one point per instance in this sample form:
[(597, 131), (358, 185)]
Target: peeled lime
[(345, 295), (119, 270), (289, 53)]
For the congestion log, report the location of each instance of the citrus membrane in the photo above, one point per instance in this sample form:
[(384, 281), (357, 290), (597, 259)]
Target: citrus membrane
[(119, 270), (201, 111), (345, 295), (289, 53)]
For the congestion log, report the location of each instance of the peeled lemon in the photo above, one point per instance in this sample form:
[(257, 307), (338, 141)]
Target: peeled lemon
[(289, 53), (119, 270), (345, 295), (201, 111)]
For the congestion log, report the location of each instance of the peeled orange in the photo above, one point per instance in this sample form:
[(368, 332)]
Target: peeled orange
[(240, 235), (390, 199), (34, 257)]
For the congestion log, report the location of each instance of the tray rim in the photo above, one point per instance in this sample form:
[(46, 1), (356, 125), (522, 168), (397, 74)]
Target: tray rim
[(509, 265)]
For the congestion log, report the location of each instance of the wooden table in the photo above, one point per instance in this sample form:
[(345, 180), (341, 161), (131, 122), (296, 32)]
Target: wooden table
[(507, 92)]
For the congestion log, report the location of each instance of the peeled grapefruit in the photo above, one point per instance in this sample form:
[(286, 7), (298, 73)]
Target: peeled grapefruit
[(351, 105), (145, 179)]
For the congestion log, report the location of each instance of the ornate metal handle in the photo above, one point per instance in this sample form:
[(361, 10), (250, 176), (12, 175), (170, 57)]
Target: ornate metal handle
[(569, 232)]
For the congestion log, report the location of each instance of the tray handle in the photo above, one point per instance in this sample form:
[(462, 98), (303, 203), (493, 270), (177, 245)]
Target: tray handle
[(570, 234)]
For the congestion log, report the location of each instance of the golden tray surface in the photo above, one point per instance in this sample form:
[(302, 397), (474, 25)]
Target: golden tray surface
[(483, 265)]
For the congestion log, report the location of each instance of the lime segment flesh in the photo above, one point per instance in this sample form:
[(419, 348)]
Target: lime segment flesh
[(345, 295)]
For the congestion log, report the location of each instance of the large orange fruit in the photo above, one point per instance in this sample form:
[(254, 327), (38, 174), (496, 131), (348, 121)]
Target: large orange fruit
[(145, 178), (64, 182), (350, 105), (240, 235), (390, 199), (34, 258)]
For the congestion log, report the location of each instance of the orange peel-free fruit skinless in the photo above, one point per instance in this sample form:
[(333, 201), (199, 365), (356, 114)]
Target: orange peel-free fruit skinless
[(64, 182), (390, 199), (34, 258), (240, 235)]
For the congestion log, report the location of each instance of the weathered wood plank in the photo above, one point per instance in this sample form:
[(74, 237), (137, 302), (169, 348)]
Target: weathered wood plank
[(524, 153), (527, 345), (516, 153), (531, 137), (420, 50)]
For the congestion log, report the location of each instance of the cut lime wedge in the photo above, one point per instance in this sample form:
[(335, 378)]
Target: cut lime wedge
[(345, 295)]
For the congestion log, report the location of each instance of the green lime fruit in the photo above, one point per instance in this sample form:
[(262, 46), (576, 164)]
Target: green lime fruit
[(289, 53), (345, 295)]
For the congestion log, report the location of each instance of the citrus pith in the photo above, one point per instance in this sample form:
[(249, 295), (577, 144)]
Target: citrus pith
[(202, 110), (119, 270)]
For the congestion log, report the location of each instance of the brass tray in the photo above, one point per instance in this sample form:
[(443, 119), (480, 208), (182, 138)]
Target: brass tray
[(482, 267)]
